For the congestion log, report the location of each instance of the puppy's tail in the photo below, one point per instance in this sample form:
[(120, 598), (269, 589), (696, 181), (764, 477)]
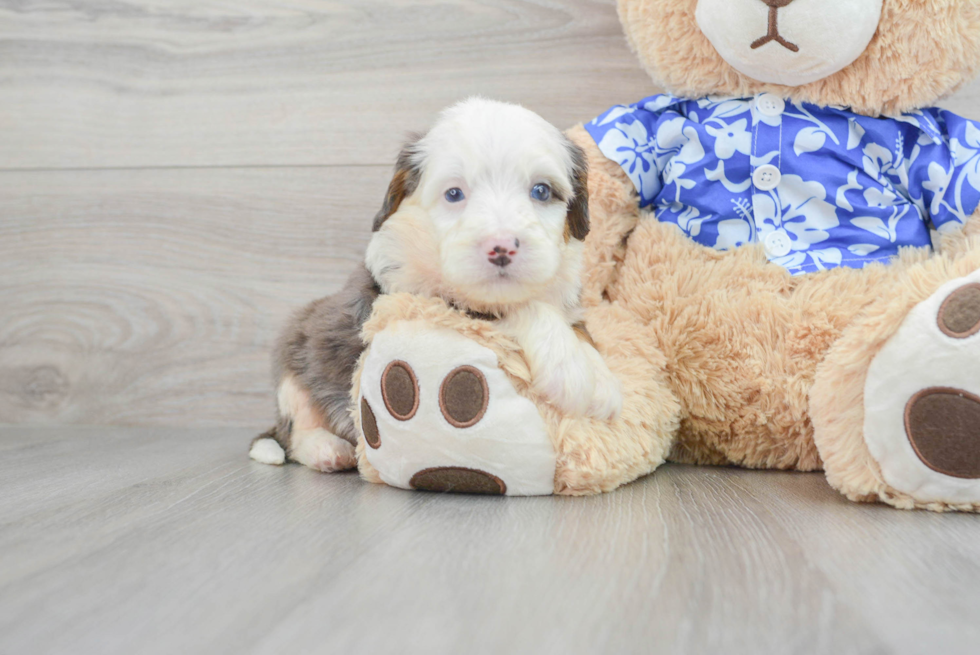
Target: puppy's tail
[(270, 446)]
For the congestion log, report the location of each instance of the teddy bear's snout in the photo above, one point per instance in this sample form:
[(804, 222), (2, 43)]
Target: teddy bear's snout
[(773, 33)]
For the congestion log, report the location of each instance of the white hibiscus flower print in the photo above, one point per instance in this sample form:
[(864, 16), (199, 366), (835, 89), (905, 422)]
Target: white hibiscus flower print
[(694, 159), (968, 157), (679, 141), (800, 208), (880, 197), (612, 114), (877, 160), (937, 183), (659, 103), (730, 139), (678, 146), (630, 146), (826, 258), (733, 232)]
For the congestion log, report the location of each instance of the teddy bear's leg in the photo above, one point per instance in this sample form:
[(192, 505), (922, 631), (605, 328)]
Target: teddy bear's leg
[(614, 211), (896, 403), (445, 403), (437, 413)]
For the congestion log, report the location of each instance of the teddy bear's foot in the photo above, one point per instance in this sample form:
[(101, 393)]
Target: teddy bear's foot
[(438, 414), (922, 399)]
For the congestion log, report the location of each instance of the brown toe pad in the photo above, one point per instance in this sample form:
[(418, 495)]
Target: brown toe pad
[(369, 425), (457, 479), (959, 315), (943, 426), (400, 390), (464, 396)]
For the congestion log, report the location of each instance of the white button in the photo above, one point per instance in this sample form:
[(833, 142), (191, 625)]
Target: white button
[(778, 244), (766, 177), (770, 105)]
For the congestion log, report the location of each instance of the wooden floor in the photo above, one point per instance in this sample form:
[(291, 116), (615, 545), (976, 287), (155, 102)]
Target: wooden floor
[(175, 178), (157, 540)]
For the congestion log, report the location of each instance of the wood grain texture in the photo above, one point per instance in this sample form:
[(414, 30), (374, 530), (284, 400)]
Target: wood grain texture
[(153, 297), (112, 83), (151, 540), (176, 176)]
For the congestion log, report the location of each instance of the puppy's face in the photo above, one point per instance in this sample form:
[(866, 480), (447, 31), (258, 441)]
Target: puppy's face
[(488, 208)]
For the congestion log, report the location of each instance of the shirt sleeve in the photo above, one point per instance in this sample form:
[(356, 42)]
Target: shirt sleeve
[(627, 135), (946, 170)]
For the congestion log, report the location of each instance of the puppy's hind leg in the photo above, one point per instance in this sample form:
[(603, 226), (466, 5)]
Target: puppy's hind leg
[(311, 442), (322, 450), (266, 448), (302, 434)]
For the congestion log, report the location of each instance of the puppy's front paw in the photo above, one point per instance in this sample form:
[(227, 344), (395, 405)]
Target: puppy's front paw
[(607, 398), (580, 384), (567, 385)]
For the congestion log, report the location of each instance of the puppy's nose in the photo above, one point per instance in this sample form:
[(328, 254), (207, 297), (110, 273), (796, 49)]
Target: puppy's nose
[(777, 4), (501, 252)]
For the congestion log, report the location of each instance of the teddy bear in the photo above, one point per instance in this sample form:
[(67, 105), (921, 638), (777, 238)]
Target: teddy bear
[(782, 270)]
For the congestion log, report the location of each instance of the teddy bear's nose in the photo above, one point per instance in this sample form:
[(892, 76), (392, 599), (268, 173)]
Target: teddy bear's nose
[(776, 4)]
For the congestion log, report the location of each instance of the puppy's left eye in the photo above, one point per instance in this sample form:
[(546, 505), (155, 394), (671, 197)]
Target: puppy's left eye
[(541, 192), (455, 195)]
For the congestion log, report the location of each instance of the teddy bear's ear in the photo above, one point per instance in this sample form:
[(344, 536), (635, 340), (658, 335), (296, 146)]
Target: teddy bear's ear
[(403, 183), (577, 219)]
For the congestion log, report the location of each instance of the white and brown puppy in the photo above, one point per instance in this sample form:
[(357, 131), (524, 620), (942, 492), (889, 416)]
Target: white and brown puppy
[(487, 211)]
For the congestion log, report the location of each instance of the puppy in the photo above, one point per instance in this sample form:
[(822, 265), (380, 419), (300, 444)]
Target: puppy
[(488, 211)]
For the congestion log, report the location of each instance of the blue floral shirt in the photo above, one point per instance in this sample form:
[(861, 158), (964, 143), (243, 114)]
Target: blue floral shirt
[(820, 187)]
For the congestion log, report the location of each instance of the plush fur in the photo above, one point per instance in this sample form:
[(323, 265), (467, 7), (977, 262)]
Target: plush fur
[(593, 455), (494, 154), (923, 51), (487, 212), (725, 358)]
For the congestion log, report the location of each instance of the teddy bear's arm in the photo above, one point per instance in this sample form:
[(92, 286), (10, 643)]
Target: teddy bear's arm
[(614, 211), (956, 242)]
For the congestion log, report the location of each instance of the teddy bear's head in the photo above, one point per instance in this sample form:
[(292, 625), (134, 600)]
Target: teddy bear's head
[(875, 56)]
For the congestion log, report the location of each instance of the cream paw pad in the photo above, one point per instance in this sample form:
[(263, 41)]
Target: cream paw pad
[(438, 414), (922, 396)]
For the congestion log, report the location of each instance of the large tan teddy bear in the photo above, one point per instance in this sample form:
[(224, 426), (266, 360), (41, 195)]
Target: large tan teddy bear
[(783, 270)]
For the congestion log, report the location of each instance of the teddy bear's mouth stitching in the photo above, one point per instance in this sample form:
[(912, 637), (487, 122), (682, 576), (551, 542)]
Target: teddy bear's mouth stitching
[(773, 33)]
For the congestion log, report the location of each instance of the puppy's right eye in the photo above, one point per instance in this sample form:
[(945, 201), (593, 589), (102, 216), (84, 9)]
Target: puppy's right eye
[(541, 192), (455, 195)]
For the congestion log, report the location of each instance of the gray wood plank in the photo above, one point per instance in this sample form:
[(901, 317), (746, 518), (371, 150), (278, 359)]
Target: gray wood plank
[(153, 297), (260, 82), (118, 83), (892, 565), (172, 541)]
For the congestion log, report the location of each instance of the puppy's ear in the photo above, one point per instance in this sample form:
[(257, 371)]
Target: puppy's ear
[(403, 182), (577, 219)]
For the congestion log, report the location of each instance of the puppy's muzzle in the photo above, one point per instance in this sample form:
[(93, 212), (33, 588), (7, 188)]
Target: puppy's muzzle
[(502, 252)]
